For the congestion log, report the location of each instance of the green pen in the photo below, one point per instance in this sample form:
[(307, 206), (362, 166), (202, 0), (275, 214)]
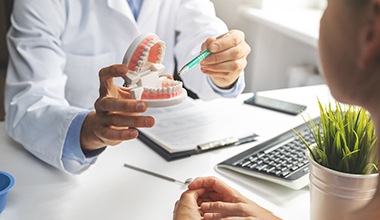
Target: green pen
[(197, 59), (194, 62)]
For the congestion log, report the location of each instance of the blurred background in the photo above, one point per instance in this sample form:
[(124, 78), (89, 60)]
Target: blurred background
[(5, 9), (283, 36)]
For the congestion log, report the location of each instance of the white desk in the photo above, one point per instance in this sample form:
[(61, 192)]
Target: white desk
[(110, 191)]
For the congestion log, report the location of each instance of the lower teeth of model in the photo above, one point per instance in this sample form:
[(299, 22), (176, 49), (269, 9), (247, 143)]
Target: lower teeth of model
[(168, 90)]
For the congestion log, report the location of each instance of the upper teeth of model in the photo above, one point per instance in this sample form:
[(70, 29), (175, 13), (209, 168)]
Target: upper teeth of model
[(144, 55)]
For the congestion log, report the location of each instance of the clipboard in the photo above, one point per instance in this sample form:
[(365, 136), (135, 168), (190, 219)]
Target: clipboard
[(169, 156), (162, 152), (194, 127)]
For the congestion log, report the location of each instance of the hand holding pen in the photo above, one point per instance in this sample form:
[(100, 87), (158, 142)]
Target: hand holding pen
[(198, 58), (226, 58)]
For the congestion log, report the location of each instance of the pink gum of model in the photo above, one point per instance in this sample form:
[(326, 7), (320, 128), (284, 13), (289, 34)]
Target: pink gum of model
[(143, 58)]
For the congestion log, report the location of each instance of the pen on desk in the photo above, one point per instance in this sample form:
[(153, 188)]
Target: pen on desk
[(226, 142), (187, 181), (197, 59)]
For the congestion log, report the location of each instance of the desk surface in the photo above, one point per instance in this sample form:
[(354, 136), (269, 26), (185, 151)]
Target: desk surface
[(110, 191)]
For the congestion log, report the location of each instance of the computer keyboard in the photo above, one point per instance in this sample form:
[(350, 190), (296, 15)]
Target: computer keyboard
[(281, 159)]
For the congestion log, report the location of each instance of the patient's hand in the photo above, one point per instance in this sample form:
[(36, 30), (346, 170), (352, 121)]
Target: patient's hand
[(212, 199)]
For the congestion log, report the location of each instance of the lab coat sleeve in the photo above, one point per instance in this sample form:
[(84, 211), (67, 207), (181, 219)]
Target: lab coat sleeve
[(231, 92), (74, 159), (37, 113), (196, 22)]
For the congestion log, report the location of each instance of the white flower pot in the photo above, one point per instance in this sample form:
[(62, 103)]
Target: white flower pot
[(333, 194)]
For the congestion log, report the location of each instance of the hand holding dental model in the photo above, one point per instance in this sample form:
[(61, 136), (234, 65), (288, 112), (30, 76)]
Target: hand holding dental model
[(118, 109), (144, 76)]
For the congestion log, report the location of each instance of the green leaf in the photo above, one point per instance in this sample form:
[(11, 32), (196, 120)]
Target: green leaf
[(345, 139)]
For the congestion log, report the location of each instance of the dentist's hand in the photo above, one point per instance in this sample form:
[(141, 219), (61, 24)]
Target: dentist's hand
[(116, 115), (227, 60)]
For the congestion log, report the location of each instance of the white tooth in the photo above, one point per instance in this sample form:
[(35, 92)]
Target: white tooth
[(152, 90), (146, 89), (140, 62), (159, 90), (146, 48), (164, 90), (145, 53)]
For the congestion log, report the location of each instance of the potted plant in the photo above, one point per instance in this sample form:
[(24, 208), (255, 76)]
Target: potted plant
[(343, 161)]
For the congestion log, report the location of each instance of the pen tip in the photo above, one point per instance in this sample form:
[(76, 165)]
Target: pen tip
[(183, 70)]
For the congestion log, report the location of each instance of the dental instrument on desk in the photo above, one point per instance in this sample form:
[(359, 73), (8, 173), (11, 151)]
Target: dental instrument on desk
[(186, 182), (198, 58)]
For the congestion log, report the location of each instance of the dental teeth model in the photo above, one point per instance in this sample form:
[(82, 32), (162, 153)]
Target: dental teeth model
[(145, 73)]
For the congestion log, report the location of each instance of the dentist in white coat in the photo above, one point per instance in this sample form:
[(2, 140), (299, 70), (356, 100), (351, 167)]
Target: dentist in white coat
[(63, 101)]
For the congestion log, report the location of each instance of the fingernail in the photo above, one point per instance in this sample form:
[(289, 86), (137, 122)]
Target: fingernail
[(214, 47), (149, 122), (205, 206), (140, 106), (133, 134)]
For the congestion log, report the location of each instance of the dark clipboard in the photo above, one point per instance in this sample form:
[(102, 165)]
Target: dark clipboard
[(169, 156), (162, 152)]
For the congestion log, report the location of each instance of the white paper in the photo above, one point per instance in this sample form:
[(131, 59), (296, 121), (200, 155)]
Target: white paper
[(185, 126)]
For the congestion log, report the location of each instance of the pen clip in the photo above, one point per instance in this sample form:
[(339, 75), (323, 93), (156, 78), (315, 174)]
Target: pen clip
[(230, 141), (217, 144), (246, 139)]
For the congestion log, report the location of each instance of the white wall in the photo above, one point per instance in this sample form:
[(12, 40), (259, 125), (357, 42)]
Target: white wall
[(272, 53), (228, 10), (272, 58)]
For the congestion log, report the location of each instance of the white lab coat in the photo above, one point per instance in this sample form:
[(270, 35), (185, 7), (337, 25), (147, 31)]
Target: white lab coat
[(57, 48)]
